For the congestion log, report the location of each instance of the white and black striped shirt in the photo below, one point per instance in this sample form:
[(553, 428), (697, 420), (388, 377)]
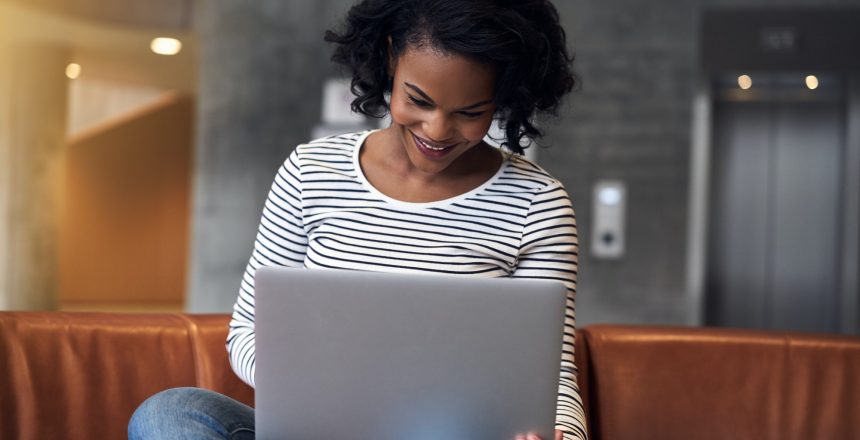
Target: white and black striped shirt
[(323, 213)]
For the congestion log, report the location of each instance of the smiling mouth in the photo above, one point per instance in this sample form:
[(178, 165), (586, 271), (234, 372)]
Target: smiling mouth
[(431, 146)]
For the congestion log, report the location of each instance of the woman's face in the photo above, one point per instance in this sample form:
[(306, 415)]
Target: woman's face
[(441, 106)]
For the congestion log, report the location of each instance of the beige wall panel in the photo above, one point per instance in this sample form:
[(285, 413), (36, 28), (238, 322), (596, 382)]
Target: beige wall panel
[(124, 229)]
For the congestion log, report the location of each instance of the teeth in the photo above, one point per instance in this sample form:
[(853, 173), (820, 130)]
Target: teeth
[(430, 147)]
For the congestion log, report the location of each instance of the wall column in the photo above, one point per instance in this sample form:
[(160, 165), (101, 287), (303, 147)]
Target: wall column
[(33, 98), (259, 95)]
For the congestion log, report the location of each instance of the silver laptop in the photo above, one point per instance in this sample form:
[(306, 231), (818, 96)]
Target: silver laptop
[(357, 356)]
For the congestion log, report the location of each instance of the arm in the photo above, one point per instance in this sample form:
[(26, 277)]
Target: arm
[(280, 241), (549, 250)]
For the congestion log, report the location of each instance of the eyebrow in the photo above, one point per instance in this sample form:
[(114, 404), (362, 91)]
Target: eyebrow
[(430, 100)]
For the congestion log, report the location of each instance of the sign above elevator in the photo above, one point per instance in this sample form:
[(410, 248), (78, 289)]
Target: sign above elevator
[(780, 39)]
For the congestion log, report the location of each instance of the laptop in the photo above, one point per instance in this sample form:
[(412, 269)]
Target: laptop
[(360, 355)]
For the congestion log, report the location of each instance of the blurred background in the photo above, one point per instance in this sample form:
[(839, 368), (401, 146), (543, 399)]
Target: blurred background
[(712, 152)]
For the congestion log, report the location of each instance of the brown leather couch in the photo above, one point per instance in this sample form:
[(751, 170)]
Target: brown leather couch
[(81, 375)]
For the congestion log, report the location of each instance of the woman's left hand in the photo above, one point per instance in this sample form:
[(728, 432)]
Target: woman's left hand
[(532, 436)]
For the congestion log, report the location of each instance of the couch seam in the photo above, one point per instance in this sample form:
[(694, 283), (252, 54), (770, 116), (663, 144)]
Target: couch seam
[(193, 333)]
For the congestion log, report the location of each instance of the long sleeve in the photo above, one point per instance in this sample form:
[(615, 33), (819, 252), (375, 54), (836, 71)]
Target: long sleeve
[(549, 250), (281, 241)]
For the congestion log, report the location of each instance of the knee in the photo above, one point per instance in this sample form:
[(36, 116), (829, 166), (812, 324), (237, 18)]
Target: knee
[(155, 414)]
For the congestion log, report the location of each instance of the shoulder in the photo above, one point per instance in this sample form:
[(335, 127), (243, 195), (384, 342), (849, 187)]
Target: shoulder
[(332, 149), (326, 151), (530, 176), (547, 195), (335, 144)]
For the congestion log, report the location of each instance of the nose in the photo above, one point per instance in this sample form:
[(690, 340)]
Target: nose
[(438, 127)]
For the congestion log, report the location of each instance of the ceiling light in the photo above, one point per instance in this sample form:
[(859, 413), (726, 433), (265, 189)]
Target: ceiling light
[(166, 46), (73, 70), (812, 82), (744, 82)]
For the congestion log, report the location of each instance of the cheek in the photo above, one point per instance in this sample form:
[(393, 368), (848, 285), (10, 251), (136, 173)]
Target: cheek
[(401, 114), (476, 130)]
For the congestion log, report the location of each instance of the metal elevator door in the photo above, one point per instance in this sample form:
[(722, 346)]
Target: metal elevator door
[(774, 249)]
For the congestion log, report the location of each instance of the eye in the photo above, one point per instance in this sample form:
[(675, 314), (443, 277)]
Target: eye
[(471, 115), (419, 102)]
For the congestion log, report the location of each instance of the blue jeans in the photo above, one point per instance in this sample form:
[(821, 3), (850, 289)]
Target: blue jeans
[(191, 413)]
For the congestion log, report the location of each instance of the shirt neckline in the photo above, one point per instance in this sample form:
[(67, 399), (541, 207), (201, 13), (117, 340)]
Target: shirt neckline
[(359, 143)]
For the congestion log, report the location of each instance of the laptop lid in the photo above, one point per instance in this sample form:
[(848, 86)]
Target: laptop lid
[(360, 355)]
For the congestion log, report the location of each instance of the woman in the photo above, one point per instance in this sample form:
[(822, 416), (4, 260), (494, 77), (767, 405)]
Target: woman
[(426, 194)]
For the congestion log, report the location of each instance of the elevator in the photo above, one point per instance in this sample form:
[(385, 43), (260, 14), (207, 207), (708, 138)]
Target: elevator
[(775, 172), (774, 254)]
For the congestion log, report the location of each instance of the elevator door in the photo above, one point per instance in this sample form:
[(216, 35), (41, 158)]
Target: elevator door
[(774, 242)]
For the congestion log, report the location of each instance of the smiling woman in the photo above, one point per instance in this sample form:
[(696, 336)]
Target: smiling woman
[(441, 109), (521, 41), (424, 195)]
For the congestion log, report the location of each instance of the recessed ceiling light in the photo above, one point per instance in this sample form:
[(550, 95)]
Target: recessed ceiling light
[(73, 70), (166, 46), (812, 82), (744, 82)]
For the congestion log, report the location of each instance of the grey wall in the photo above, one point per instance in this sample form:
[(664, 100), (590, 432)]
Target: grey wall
[(630, 121), (262, 66)]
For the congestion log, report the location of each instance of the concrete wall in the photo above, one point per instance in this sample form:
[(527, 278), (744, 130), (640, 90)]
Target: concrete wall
[(262, 66), (32, 125), (631, 121)]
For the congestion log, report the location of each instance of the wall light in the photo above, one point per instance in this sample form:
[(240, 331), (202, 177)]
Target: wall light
[(165, 46), (812, 82), (73, 70), (744, 82), (609, 195)]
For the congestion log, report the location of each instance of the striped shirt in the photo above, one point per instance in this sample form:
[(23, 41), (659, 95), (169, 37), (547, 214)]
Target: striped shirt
[(322, 212)]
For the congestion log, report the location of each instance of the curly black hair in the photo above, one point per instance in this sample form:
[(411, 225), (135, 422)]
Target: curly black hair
[(521, 39)]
